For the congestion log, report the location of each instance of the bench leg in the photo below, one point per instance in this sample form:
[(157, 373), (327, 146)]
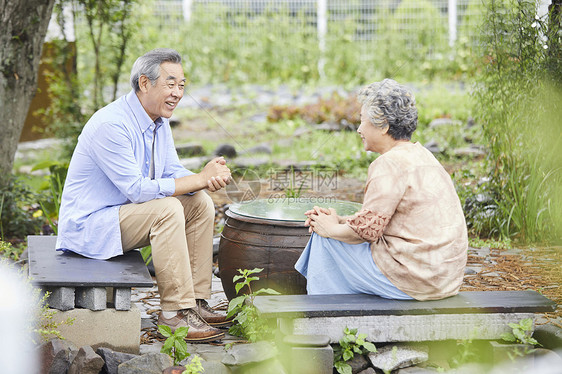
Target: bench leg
[(93, 298), (122, 298), (61, 298)]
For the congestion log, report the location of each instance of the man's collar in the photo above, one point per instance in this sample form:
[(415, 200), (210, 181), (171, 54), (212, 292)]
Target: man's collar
[(143, 119)]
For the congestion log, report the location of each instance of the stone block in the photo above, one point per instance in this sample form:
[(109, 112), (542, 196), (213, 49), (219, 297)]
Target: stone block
[(508, 351), (122, 298), (412, 328), (93, 298), (243, 354), (151, 363), (61, 298), (110, 328), (311, 360), (308, 354), (86, 362)]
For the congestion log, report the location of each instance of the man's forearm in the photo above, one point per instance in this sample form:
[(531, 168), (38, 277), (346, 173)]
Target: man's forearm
[(189, 183)]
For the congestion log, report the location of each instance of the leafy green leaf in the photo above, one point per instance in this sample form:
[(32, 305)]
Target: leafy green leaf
[(347, 355), (168, 345), (343, 368), (508, 337), (370, 347), (239, 286), (181, 332), (268, 291), (165, 330)]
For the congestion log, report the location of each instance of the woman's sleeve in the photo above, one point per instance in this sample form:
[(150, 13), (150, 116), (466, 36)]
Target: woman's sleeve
[(384, 190)]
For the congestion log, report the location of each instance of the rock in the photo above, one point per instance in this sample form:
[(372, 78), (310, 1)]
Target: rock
[(433, 146), (242, 354), (549, 336), (226, 150), (151, 363), (190, 150), (174, 370), (328, 127), (358, 363), (56, 355), (271, 366), (472, 152), (415, 370), (469, 271), (192, 163), (396, 356), (260, 148), (174, 122), (113, 359), (368, 371), (444, 122), (86, 362)]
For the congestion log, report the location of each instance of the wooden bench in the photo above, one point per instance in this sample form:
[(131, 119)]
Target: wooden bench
[(468, 315), (77, 281)]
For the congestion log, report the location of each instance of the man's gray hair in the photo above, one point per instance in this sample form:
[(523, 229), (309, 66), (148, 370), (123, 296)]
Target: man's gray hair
[(391, 104), (149, 65)]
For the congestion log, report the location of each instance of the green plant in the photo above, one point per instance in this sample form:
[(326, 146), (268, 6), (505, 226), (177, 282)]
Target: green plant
[(146, 253), (175, 345), (54, 184), (194, 367), (521, 333), (517, 101), (47, 328), (18, 205), (349, 345), (7, 250), (247, 321), (465, 353)]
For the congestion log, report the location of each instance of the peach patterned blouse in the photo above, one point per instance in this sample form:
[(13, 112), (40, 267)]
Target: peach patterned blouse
[(413, 219)]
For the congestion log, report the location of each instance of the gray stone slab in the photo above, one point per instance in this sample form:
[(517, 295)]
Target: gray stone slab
[(287, 306), (408, 328), (122, 298), (61, 298), (93, 298), (49, 267)]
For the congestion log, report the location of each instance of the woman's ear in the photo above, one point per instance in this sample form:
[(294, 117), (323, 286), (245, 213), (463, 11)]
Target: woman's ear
[(384, 130)]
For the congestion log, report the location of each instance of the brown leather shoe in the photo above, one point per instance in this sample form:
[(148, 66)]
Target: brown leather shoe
[(210, 316), (199, 331)]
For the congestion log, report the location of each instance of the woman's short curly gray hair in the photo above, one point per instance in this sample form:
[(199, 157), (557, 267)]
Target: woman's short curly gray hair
[(149, 65), (391, 104)]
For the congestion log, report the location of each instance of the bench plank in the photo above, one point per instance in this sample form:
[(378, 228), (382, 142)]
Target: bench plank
[(469, 302), (48, 267)]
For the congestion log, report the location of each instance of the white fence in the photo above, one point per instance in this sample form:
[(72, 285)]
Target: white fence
[(451, 16)]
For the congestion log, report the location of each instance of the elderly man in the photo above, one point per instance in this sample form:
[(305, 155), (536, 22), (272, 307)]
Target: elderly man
[(126, 189)]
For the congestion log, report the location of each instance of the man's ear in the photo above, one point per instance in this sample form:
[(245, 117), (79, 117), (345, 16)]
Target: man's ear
[(144, 82)]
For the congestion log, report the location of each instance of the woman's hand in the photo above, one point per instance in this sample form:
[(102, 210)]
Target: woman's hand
[(322, 221)]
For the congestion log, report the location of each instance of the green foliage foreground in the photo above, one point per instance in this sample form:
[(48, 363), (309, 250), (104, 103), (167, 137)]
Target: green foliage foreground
[(518, 101)]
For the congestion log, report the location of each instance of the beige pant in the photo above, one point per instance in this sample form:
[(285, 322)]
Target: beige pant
[(180, 230)]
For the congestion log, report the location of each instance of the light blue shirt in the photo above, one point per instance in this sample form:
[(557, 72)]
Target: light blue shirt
[(109, 168)]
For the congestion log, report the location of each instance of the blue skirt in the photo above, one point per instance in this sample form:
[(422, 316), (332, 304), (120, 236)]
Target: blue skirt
[(334, 267)]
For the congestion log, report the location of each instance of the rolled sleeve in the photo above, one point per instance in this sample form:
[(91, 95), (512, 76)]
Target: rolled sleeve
[(167, 186)]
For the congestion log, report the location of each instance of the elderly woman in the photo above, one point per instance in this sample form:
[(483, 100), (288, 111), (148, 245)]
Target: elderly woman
[(409, 239)]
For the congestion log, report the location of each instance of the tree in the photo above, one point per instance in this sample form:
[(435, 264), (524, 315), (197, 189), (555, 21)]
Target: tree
[(24, 25)]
